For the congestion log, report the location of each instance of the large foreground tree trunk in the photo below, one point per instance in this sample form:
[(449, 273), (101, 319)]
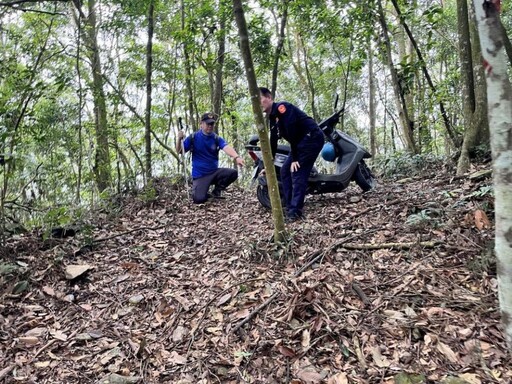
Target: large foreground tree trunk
[(499, 93), (275, 200)]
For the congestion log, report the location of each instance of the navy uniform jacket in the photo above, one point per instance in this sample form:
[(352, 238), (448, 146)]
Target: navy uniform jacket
[(290, 123)]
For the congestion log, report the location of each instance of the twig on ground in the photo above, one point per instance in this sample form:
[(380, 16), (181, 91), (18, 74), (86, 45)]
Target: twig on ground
[(255, 312), (423, 244), (357, 289)]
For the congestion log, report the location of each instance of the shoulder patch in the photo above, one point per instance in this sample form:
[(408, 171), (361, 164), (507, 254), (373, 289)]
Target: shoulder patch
[(281, 108)]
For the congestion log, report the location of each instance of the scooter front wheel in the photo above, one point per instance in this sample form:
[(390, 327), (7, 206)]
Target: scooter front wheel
[(263, 196), (364, 177)]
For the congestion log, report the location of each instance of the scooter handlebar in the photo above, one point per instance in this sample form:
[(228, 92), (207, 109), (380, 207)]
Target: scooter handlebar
[(332, 120)]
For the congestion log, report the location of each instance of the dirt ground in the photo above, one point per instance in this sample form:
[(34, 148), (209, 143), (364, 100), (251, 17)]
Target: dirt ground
[(397, 285)]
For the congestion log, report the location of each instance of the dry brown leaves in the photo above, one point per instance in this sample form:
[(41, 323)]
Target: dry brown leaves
[(170, 281)]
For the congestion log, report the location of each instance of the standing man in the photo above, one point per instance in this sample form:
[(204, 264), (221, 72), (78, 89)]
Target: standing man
[(306, 141), (205, 145)]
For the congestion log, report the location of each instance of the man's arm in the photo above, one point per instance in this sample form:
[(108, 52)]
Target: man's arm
[(230, 151), (179, 142)]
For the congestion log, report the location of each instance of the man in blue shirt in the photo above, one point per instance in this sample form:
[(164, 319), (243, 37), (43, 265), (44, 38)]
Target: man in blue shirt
[(306, 141), (205, 145)]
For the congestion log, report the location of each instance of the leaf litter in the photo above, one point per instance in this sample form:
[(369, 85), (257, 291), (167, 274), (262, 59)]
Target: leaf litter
[(400, 283)]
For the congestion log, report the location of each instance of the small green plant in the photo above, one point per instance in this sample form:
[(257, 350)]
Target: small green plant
[(484, 190), (7, 269), (148, 194), (420, 219)]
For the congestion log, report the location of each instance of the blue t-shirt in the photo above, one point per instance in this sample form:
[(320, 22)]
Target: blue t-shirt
[(205, 158)]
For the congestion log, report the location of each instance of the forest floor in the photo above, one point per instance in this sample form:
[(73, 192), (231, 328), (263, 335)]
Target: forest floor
[(397, 285)]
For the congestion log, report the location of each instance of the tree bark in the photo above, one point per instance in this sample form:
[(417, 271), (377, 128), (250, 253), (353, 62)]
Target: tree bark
[(219, 68), (371, 96), (149, 71), (474, 97), (102, 167), (188, 73), (449, 129), (277, 210), (405, 121), (499, 93), (279, 48)]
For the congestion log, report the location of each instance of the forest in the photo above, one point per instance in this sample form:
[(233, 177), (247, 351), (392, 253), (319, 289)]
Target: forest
[(110, 274)]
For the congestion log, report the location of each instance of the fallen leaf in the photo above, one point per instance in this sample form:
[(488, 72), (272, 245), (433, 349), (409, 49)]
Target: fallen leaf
[(306, 338), (309, 376), (42, 364), (447, 351), (288, 352), (73, 271), (176, 358), (470, 378), (380, 361), (48, 290), (224, 299), (340, 378), (59, 335), (242, 314), (481, 220)]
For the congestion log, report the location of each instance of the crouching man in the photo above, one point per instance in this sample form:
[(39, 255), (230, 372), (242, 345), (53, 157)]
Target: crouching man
[(205, 145)]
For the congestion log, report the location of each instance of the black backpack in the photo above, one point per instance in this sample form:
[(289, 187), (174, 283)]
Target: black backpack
[(191, 139)]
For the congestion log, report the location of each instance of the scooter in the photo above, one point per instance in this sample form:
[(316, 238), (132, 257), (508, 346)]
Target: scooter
[(348, 154)]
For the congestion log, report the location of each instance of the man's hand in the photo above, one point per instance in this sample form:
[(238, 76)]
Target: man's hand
[(294, 167), (239, 161), (181, 135)]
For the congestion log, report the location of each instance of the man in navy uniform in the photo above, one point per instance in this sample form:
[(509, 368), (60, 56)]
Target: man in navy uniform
[(205, 145), (306, 141)]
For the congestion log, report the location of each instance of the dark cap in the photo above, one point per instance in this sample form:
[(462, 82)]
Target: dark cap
[(208, 118)]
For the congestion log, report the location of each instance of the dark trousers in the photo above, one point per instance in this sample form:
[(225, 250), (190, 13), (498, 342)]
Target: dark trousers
[(295, 184), (221, 178)]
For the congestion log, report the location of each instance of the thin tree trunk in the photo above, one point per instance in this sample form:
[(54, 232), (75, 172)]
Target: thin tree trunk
[(279, 47), (449, 129), (401, 106), (499, 93), (188, 73), (277, 210), (149, 71), (219, 67), (371, 96), (102, 167), (473, 89)]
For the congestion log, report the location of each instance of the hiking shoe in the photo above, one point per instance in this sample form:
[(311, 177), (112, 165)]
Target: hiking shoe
[(290, 218), (217, 194)]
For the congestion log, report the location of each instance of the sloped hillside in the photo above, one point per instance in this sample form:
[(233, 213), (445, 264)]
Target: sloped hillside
[(396, 285)]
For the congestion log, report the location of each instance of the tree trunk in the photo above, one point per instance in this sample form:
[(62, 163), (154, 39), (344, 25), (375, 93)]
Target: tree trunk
[(279, 47), (499, 93), (188, 73), (371, 96), (474, 96), (102, 167), (449, 129), (149, 71), (219, 68), (277, 210), (401, 106)]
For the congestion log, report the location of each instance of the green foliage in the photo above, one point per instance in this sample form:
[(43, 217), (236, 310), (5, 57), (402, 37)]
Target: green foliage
[(405, 164), (483, 191), (8, 269)]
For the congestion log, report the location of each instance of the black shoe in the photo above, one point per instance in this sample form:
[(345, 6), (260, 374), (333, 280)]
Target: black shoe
[(290, 218), (217, 194)]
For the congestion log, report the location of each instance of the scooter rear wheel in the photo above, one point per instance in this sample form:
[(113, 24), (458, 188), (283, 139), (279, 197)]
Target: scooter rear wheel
[(263, 196), (363, 177)]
